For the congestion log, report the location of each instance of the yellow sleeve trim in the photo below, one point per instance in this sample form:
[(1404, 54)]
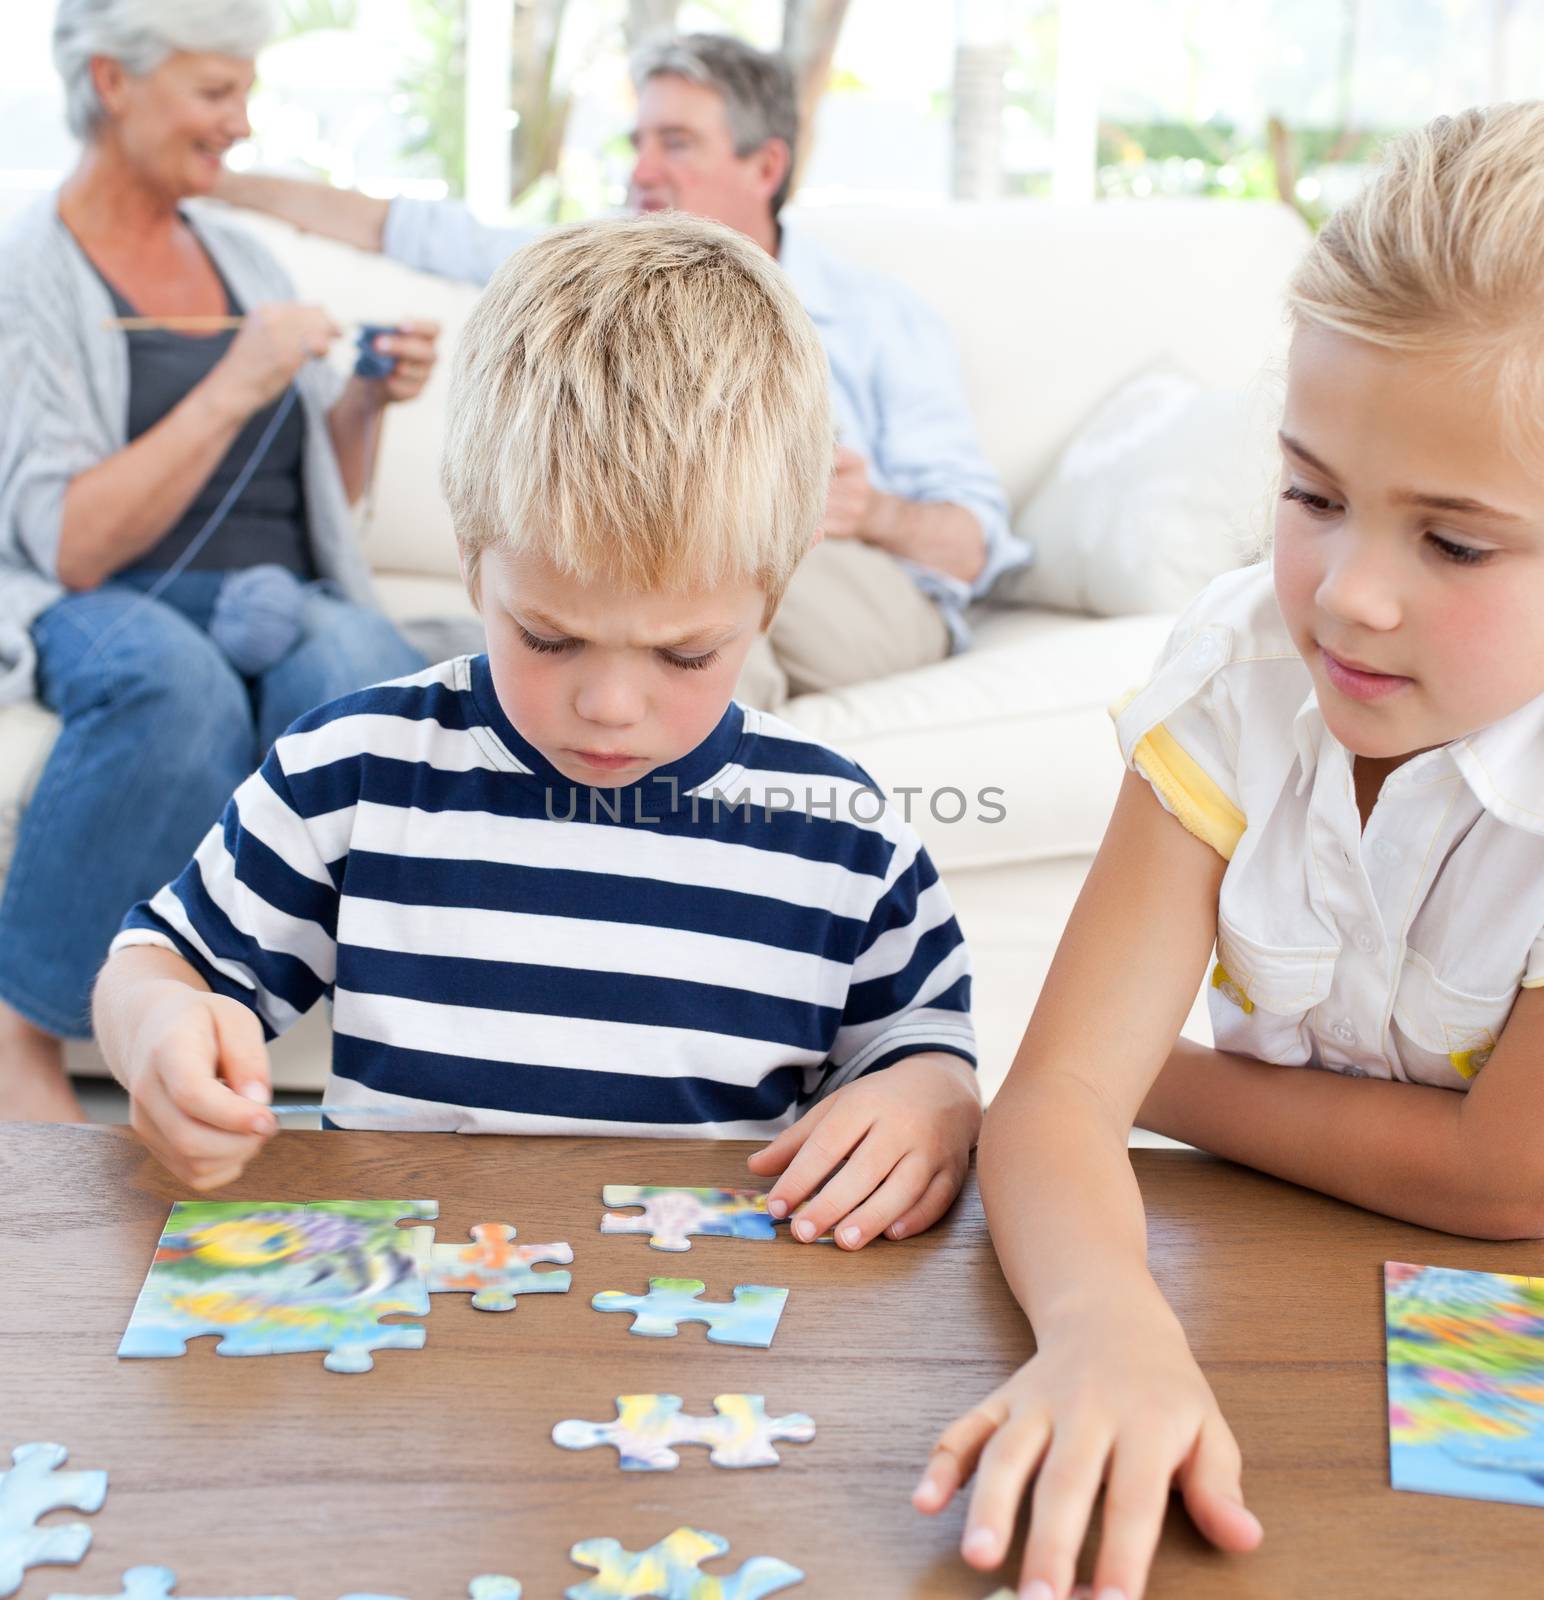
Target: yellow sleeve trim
[(1534, 983), (1189, 792)]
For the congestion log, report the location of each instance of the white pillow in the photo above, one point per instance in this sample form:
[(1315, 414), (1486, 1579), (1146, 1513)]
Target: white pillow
[(1166, 485)]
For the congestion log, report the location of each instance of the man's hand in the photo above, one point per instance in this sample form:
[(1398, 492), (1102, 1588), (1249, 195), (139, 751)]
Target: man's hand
[(199, 1086), (851, 499), (1111, 1397), (902, 1140)]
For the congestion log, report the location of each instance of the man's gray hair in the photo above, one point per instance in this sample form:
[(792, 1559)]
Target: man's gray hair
[(142, 34), (757, 86)]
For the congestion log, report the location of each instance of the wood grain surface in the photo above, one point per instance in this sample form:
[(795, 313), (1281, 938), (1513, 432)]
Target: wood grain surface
[(274, 1476)]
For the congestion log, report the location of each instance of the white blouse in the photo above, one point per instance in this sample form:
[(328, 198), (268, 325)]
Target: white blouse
[(1390, 951)]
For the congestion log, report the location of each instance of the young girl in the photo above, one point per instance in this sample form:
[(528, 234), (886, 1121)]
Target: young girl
[(1337, 780)]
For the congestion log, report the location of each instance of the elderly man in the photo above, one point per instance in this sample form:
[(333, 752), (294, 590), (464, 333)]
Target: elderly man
[(915, 523)]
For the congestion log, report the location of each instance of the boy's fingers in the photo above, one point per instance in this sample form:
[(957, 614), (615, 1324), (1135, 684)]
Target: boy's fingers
[(1063, 1503), (954, 1456), (936, 1199), (775, 1157), (894, 1196), (1210, 1481), (197, 1094), (866, 1169), (1135, 1500), (829, 1143), (1007, 1464), (243, 1055)]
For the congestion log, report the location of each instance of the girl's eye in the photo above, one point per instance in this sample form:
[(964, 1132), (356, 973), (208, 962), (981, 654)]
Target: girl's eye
[(691, 663), (545, 647), (1315, 504), (1465, 555)]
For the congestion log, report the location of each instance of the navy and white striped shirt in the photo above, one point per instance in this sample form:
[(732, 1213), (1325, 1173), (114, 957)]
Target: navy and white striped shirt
[(703, 952)]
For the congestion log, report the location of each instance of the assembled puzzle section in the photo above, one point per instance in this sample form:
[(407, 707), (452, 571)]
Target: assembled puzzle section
[(751, 1318), (649, 1426), (493, 1269), (671, 1217), (1465, 1382), (32, 1488), (274, 1278), (671, 1570)]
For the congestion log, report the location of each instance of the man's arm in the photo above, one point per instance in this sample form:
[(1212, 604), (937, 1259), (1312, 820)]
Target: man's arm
[(1464, 1163), (341, 214)]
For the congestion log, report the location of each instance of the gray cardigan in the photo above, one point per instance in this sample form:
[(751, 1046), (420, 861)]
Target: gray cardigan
[(64, 400)]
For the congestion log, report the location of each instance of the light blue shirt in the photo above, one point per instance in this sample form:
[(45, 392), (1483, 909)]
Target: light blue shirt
[(896, 393)]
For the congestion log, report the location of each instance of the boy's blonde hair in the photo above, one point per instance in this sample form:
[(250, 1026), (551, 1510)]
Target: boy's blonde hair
[(1443, 253), (645, 402)]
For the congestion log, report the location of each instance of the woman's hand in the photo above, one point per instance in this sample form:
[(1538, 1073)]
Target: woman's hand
[(412, 343), (1115, 1398), (275, 341)]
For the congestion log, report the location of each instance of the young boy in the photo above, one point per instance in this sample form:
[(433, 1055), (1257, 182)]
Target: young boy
[(571, 886)]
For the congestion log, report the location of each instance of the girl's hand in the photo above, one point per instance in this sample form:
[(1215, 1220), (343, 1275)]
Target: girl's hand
[(902, 1140), (1118, 1401)]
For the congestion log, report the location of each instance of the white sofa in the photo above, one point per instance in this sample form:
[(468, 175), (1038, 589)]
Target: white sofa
[(1053, 308)]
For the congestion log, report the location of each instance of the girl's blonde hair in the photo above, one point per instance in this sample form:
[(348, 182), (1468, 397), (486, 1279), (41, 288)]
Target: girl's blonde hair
[(645, 402), (1443, 253)]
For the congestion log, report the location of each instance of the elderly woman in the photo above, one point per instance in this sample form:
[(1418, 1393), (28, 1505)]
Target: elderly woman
[(144, 476)]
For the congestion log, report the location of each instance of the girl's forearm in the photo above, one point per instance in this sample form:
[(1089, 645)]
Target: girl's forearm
[(1062, 1203), (1399, 1148)]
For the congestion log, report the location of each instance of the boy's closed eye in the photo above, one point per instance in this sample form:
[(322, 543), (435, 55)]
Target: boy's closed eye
[(564, 646)]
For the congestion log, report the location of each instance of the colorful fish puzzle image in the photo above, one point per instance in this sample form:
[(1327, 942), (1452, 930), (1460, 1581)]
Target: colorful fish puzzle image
[(32, 1488), (751, 1318), (648, 1426), (670, 1570), (671, 1216), (495, 1270), (1465, 1382), (276, 1277)]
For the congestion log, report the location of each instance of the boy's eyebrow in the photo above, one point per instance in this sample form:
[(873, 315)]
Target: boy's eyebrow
[(1408, 497), (697, 636)]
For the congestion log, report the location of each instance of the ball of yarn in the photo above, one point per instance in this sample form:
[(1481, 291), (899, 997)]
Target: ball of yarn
[(257, 617)]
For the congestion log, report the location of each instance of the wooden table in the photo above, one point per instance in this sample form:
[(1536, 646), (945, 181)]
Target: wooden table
[(275, 1476)]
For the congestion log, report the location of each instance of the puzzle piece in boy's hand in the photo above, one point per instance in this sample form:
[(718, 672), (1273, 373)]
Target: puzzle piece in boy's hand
[(750, 1318), (669, 1216), (149, 1583), (669, 1570), (741, 1434), (494, 1270), (277, 1277), (32, 1488)]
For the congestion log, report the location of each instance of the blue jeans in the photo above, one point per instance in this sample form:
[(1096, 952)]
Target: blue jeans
[(158, 732)]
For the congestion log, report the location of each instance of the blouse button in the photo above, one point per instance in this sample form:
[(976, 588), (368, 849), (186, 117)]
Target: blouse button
[(1387, 851), (1344, 1032), (1365, 941)]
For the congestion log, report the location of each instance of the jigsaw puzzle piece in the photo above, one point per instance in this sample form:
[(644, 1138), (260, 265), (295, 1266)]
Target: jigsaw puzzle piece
[(670, 1570), (751, 1318), (648, 1426), (495, 1270), (277, 1278), (670, 1216), (487, 1587), (152, 1583), (32, 1488)]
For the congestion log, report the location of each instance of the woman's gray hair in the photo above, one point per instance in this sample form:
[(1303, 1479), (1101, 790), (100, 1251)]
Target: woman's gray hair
[(141, 34), (757, 87)]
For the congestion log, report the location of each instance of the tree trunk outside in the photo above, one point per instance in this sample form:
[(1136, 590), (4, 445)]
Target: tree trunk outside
[(541, 108), (810, 32)]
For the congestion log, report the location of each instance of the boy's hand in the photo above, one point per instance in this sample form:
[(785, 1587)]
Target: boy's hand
[(905, 1135), (1114, 1399), (201, 1129)]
